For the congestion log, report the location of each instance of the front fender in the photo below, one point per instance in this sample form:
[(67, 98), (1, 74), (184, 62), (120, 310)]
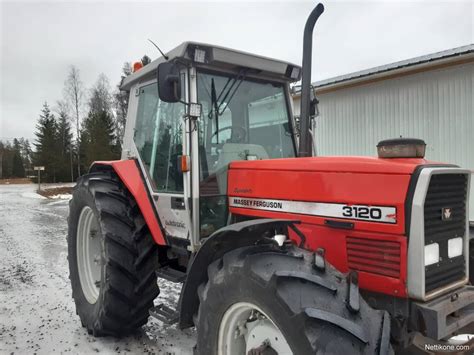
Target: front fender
[(130, 174), (214, 247)]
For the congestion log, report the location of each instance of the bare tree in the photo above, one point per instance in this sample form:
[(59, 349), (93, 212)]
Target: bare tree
[(74, 95), (120, 99), (126, 69), (100, 99)]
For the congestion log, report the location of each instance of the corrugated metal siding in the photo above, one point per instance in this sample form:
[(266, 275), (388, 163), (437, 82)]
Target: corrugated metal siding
[(436, 106)]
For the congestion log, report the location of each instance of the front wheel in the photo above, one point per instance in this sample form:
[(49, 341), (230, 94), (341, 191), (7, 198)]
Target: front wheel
[(112, 257), (258, 300), (245, 327)]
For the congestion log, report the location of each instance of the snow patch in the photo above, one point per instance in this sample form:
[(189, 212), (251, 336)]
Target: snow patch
[(32, 195), (61, 197), (58, 202)]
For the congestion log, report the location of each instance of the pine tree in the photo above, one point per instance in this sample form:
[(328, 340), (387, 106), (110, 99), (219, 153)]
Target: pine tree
[(12, 159), (64, 146), (18, 170), (6, 154), (98, 139), (47, 144), (26, 155)]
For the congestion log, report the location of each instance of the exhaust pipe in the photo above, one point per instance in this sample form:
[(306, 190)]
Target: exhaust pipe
[(305, 148)]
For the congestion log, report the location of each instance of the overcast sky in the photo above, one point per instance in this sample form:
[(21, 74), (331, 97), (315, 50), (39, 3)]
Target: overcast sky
[(40, 40)]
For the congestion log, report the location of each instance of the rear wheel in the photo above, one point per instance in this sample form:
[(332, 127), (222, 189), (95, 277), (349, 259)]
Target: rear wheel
[(112, 257), (259, 300)]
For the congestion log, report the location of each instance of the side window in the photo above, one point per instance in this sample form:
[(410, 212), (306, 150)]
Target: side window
[(158, 139)]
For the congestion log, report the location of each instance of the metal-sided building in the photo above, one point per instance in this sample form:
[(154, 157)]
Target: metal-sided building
[(428, 97)]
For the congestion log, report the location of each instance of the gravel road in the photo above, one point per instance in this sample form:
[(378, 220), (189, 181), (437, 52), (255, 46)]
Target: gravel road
[(37, 313)]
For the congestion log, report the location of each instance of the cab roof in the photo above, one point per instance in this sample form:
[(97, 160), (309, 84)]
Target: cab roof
[(221, 57)]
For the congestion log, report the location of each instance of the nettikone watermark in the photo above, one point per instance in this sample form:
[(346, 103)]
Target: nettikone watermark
[(448, 347)]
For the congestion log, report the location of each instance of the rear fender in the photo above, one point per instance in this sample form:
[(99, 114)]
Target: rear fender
[(132, 177), (220, 242)]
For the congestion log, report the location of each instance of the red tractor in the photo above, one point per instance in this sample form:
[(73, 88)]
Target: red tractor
[(279, 252)]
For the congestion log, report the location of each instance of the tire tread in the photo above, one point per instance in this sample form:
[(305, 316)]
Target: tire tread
[(130, 258)]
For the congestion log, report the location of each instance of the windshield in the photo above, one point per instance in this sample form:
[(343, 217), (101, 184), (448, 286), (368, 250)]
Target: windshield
[(242, 120)]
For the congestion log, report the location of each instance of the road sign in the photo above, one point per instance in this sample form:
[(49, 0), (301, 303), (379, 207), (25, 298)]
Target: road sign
[(39, 169)]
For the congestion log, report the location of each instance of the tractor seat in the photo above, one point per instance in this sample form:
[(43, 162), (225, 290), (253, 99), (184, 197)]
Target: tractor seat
[(239, 151)]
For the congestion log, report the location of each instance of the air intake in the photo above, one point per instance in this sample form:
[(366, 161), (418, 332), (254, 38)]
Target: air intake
[(401, 148), (374, 255)]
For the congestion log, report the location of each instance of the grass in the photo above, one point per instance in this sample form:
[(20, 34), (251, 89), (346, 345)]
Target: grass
[(15, 181), (52, 191)]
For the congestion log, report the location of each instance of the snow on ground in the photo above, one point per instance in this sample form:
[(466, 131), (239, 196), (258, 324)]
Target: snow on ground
[(32, 194), (61, 197), (37, 313), (56, 185)]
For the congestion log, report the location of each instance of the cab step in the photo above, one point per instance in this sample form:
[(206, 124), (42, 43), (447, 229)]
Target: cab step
[(171, 274), (165, 314)]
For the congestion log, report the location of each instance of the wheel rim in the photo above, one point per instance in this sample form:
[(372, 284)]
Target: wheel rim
[(89, 254), (245, 327)]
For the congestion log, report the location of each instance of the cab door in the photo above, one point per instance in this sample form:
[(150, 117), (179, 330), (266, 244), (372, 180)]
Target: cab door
[(158, 140)]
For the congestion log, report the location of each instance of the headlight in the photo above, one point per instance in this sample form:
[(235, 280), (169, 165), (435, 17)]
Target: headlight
[(455, 247), (199, 55), (431, 254)]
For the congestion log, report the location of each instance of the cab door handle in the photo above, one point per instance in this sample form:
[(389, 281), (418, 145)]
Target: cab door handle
[(177, 203)]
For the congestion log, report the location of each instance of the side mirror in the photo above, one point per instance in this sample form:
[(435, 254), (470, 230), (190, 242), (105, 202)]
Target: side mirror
[(169, 83)]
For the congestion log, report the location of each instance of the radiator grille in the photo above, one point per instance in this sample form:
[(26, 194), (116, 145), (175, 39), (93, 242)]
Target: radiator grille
[(374, 255), (446, 191)]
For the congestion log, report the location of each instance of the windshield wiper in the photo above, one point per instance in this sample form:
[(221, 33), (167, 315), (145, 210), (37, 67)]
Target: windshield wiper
[(228, 93), (215, 107), (231, 91)]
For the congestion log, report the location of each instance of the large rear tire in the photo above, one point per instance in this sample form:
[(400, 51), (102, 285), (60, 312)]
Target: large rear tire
[(284, 296), (112, 257)]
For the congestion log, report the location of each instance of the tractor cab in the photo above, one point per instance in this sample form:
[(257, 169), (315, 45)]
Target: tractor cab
[(193, 112)]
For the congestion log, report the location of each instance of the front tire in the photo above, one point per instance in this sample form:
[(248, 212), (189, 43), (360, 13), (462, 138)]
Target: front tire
[(285, 296), (112, 257)]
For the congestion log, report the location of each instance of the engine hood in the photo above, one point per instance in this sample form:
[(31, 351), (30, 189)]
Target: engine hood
[(326, 183), (335, 164)]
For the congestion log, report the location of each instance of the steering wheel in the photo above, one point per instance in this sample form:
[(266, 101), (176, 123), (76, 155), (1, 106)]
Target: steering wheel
[(238, 133)]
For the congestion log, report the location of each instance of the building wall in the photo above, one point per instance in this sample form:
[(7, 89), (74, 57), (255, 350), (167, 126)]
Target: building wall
[(436, 106)]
